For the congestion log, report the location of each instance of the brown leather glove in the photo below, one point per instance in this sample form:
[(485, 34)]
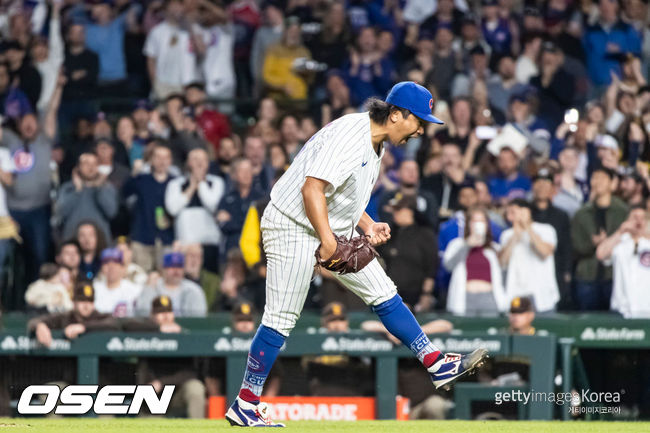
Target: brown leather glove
[(350, 255)]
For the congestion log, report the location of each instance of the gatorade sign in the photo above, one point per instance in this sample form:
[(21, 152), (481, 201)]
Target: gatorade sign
[(317, 408), (322, 408)]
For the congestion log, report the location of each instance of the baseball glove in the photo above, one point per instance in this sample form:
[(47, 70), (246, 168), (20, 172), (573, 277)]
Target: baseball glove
[(350, 255)]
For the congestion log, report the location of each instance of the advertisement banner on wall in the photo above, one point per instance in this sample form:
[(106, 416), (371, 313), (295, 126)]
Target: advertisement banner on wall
[(316, 408)]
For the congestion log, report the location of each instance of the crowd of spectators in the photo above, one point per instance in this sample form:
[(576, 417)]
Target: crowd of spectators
[(537, 185)]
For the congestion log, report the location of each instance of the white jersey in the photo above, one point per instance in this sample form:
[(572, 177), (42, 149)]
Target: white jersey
[(342, 154), (194, 217), (631, 291), (217, 67), (530, 275), (6, 165), (171, 47), (120, 301)]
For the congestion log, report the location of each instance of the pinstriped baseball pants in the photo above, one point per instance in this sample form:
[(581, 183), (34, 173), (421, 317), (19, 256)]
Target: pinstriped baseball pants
[(290, 249)]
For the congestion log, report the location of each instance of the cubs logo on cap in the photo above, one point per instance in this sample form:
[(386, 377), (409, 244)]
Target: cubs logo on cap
[(415, 98), (173, 260)]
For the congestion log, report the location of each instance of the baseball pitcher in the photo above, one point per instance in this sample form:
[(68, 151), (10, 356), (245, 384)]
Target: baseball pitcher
[(311, 220)]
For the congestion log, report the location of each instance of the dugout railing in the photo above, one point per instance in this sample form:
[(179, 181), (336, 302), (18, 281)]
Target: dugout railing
[(574, 332), (88, 350)]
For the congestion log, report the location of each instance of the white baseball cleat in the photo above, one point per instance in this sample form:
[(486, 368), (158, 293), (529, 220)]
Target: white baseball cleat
[(453, 366), (245, 414)]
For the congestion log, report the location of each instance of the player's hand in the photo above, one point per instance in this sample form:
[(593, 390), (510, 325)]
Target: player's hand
[(43, 334), (379, 233), (327, 248), (74, 330)]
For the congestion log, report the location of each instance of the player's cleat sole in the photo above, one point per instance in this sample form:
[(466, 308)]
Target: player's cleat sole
[(232, 421), (454, 367)]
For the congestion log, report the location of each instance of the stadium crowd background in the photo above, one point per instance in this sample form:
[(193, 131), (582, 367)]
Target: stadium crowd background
[(546, 144)]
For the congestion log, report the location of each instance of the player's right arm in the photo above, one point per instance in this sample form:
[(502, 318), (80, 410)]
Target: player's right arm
[(313, 197)]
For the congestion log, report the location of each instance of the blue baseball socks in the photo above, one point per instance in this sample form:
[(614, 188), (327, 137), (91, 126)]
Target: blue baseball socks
[(400, 322), (264, 349), (395, 316)]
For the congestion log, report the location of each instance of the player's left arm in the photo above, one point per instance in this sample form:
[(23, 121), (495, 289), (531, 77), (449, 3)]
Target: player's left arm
[(379, 232), (365, 222)]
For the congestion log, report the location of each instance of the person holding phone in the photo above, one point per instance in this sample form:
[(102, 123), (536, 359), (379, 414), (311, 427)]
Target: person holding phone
[(476, 286)]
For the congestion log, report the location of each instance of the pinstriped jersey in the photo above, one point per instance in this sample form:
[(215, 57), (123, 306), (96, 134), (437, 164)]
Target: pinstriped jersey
[(342, 154)]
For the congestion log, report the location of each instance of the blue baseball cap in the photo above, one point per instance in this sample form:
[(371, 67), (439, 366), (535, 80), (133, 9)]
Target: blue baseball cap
[(174, 260), (112, 255), (415, 98)]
